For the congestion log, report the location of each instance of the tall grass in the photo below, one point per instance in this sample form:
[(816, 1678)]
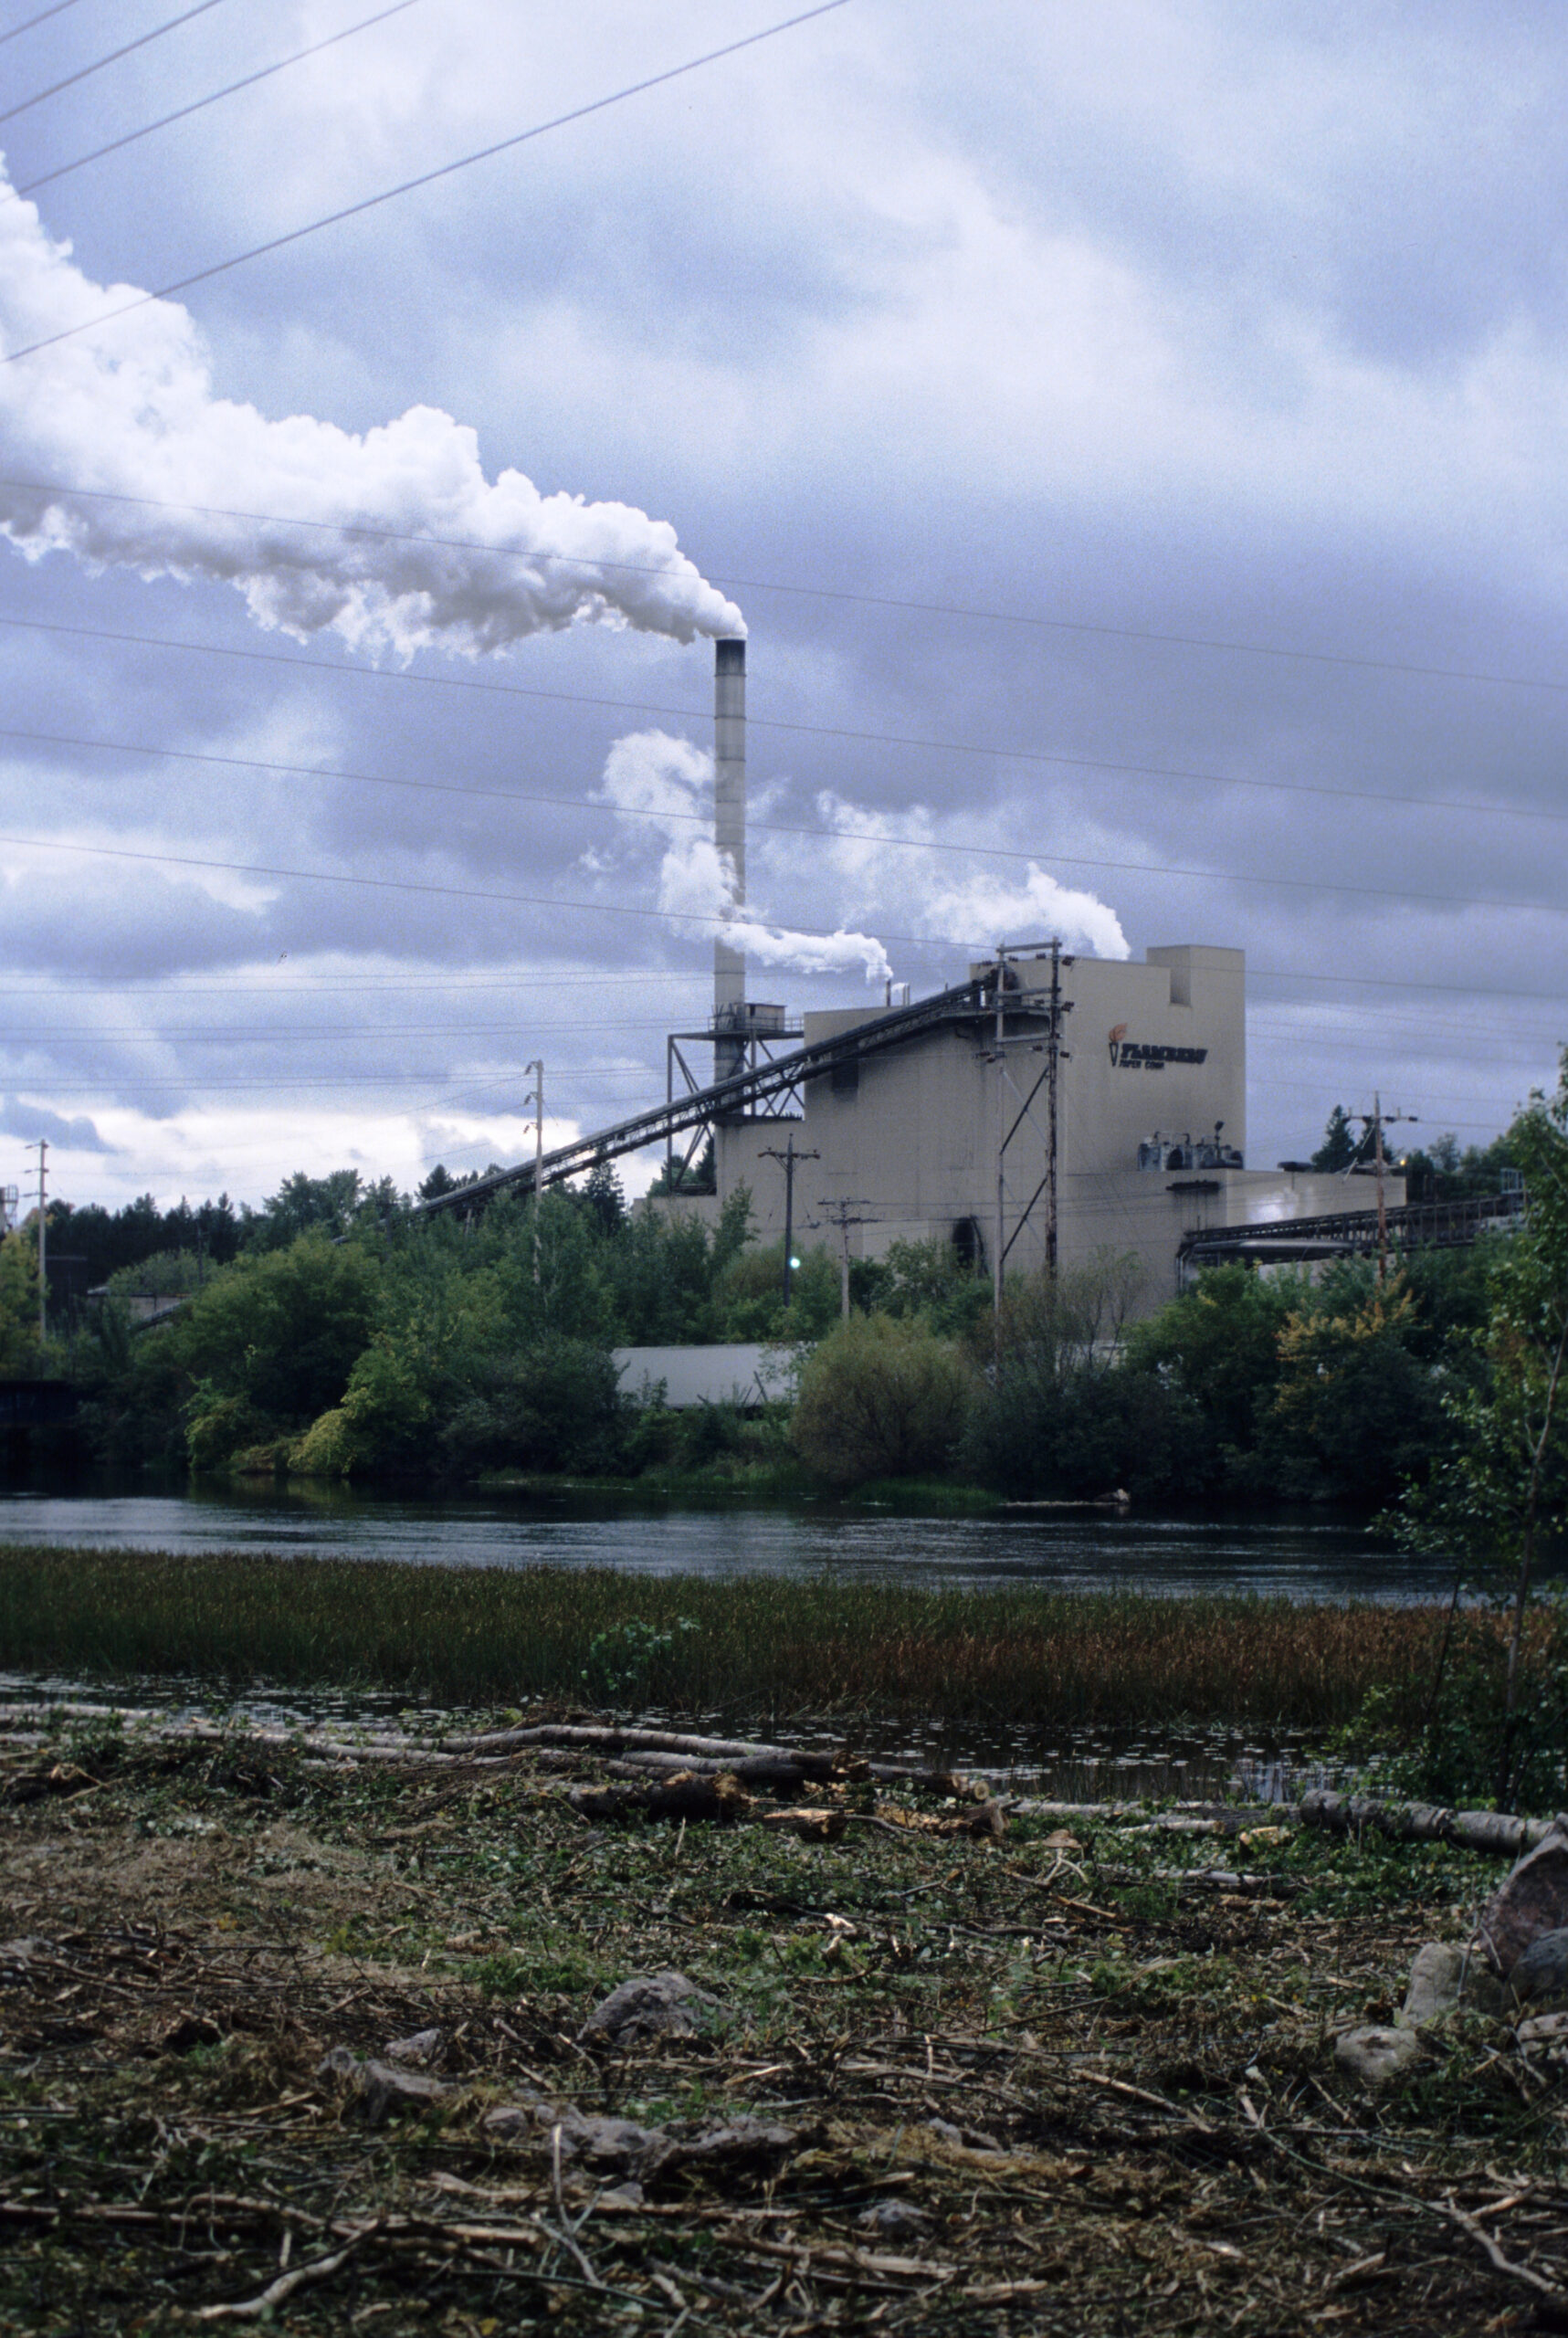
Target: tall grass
[(764, 1646)]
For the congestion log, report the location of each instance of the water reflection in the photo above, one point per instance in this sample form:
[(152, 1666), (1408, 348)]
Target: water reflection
[(1305, 1558)]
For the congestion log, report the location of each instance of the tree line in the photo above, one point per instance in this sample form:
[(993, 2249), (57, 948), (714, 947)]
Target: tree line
[(339, 1331)]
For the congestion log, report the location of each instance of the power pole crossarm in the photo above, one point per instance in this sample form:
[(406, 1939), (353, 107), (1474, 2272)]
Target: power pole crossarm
[(1373, 1124), (42, 1149), (789, 1160), (537, 1101), (844, 1214)]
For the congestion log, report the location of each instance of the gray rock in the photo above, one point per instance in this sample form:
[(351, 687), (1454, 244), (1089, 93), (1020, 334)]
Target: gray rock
[(892, 2220), (618, 2144), (1442, 1977), (735, 2142), (1437, 1979), (1533, 1899), (381, 2088), (1540, 1976), (423, 2048), (1374, 2055), (646, 2005), (968, 2139), (621, 2147)]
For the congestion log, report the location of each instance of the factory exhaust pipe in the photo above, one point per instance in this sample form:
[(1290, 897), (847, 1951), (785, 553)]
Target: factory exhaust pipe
[(730, 836)]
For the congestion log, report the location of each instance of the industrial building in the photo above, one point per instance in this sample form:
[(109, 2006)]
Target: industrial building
[(1110, 1095), (1045, 1107)]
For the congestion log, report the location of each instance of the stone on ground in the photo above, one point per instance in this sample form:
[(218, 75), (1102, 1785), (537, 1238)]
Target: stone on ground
[(1442, 1977), (645, 2006), (381, 2088), (1540, 1977), (1533, 1899), (1375, 2055)]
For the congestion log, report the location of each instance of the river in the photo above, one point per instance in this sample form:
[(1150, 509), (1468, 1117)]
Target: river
[(1305, 1557)]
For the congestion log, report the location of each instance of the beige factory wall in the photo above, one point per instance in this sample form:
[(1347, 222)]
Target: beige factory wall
[(1156, 1047)]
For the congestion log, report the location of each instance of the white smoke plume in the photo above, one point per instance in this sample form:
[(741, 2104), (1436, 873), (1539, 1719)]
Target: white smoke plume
[(974, 911), (668, 783), (131, 411)]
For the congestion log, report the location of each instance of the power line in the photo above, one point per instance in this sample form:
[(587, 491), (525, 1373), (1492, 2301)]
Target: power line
[(176, 988), (42, 17), (425, 178), (295, 1033), (63, 169), (804, 592), (717, 918), (85, 72), (174, 985), (696, 714)]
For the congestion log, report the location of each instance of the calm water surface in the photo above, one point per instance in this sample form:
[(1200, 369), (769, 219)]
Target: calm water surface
[(1306, 1558)]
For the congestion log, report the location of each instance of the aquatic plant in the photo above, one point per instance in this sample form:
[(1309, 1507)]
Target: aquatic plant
[(763, 1646)]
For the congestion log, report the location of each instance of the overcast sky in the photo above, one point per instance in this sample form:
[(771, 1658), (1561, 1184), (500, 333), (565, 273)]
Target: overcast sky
[(1132, 435)]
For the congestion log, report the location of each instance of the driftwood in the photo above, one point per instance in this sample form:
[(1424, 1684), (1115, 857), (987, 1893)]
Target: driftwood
[(603, 1738), (718, 1801), (1496, 1831)]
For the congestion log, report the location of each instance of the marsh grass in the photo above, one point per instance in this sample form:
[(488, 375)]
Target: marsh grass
[(758, 1645)]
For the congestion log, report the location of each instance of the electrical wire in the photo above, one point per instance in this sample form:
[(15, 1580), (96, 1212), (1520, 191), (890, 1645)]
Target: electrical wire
[(425, 178), (175, 986), (86, 72), (696, 714), (42, 17), (766, 827), (249, 80), (720, 918), (805, 591)]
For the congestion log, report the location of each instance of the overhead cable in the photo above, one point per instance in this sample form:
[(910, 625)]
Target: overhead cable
[(425, 178), (1028, 617), (42, 17), (85, 72), (694, 917), (198, 105), (1049, 758)]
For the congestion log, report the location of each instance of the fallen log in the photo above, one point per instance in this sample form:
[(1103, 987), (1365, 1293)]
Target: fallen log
[(603, 1737), (1500, 1832), (989, 1822), (717, 1801), (825, 1826)]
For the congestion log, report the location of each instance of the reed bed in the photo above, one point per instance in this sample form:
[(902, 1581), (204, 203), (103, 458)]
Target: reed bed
[(761, 1647)]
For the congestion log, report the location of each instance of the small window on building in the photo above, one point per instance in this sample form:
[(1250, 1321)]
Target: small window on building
[(846, 1078)]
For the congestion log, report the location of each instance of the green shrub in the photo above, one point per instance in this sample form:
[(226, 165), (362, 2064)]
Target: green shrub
[(881, 1398)]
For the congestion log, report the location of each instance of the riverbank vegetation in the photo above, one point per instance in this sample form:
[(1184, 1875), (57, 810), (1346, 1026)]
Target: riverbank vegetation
[(759, 1649), (345, 1334)]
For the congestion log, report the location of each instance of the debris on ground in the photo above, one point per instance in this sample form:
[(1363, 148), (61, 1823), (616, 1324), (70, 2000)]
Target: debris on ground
[(319, 2042)]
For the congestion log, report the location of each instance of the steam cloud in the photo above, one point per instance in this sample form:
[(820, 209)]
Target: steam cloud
[(976, 911), (669, 782), (131, 411)]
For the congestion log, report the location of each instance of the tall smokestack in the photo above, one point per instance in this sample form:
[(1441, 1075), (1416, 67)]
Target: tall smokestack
[(730, 836)]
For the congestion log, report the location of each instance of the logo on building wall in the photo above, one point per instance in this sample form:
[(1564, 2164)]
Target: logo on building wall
[(1145, 1055)]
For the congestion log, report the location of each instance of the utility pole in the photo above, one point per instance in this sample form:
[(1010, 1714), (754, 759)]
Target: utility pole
[(1053, 1060), (1000, 1245), (789, 1157), (1374, 1121), (42, 1149), (536, 1098), (841, 1215)]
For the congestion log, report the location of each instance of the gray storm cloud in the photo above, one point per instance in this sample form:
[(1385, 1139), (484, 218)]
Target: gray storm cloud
[(128, 411)]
